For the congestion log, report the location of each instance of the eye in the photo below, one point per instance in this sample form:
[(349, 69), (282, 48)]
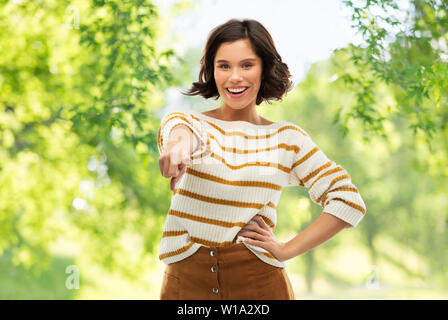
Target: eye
[(226, 65)]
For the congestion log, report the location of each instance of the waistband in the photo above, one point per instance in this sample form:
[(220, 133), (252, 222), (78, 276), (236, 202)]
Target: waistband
[(224, 249)]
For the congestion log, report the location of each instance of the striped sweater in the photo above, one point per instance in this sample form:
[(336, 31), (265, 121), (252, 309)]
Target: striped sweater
[(239, 170)]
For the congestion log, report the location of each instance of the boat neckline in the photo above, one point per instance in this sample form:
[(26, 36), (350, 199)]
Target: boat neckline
[(236, 122)]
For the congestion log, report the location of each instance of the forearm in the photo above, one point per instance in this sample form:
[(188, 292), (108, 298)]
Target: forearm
[(322, 229), (182, 134)]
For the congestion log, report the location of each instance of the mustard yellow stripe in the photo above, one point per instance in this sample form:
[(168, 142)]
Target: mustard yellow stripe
[(305, 157), (336, 169), (247, 164), (173, 233), (176, 252), (240, 151), (159, 137), (182, 116), (211, 243), (315, 172), (178, 113), (324, 196), (268, 222), (216, 222), (352, 204), (200, 197), (267, 254), (238, 133), (338, 178), (220, 223), (206, 151), (240, 183), (172, 116), (270, 204)]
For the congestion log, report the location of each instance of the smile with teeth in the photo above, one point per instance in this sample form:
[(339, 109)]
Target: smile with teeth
[(236, 91)]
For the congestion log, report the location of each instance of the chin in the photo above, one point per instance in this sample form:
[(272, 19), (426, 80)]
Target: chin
[(237, 107)]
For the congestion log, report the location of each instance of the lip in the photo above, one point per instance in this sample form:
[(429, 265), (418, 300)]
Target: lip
[(239, 95), (240, 87)]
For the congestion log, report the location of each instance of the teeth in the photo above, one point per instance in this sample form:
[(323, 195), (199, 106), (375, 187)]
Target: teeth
[(236, 90)]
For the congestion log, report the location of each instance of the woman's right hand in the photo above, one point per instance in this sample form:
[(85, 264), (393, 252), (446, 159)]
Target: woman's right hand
[(174, 160)]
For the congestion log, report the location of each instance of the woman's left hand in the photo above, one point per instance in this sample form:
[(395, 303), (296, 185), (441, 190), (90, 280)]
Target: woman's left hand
[(261, 235)]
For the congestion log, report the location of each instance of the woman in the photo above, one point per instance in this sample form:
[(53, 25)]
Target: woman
[(228, 167)]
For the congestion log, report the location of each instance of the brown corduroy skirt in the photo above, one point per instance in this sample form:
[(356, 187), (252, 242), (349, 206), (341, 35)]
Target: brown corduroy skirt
[(225, 273)]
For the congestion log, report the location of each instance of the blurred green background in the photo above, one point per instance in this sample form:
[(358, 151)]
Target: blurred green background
[(82, 201)]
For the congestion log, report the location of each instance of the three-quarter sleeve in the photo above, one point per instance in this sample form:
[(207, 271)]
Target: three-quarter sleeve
[(328, 184), (172, 119)]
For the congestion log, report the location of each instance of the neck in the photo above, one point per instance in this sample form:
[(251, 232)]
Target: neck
[(248, 114)]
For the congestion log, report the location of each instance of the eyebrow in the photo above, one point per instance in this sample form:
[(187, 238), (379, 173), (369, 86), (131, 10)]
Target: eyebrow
[(248, 59)]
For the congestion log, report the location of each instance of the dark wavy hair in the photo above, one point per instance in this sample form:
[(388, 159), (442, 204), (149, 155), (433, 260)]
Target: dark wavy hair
[(275, 76)]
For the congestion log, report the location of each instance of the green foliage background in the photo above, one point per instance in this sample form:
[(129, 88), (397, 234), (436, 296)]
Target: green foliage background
[(82, 84)]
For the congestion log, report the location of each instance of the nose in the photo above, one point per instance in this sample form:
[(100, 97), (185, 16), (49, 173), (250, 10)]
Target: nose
[(236, 75)]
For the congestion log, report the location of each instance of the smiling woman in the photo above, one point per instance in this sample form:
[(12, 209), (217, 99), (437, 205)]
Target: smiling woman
[(242, 54), (218, 240), (238, 81)]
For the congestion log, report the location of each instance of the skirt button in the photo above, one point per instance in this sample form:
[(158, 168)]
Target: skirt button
[(215, 290), (212, 253), (213, 269)]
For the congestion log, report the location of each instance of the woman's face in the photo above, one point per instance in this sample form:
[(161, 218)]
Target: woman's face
[(237, 66)]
